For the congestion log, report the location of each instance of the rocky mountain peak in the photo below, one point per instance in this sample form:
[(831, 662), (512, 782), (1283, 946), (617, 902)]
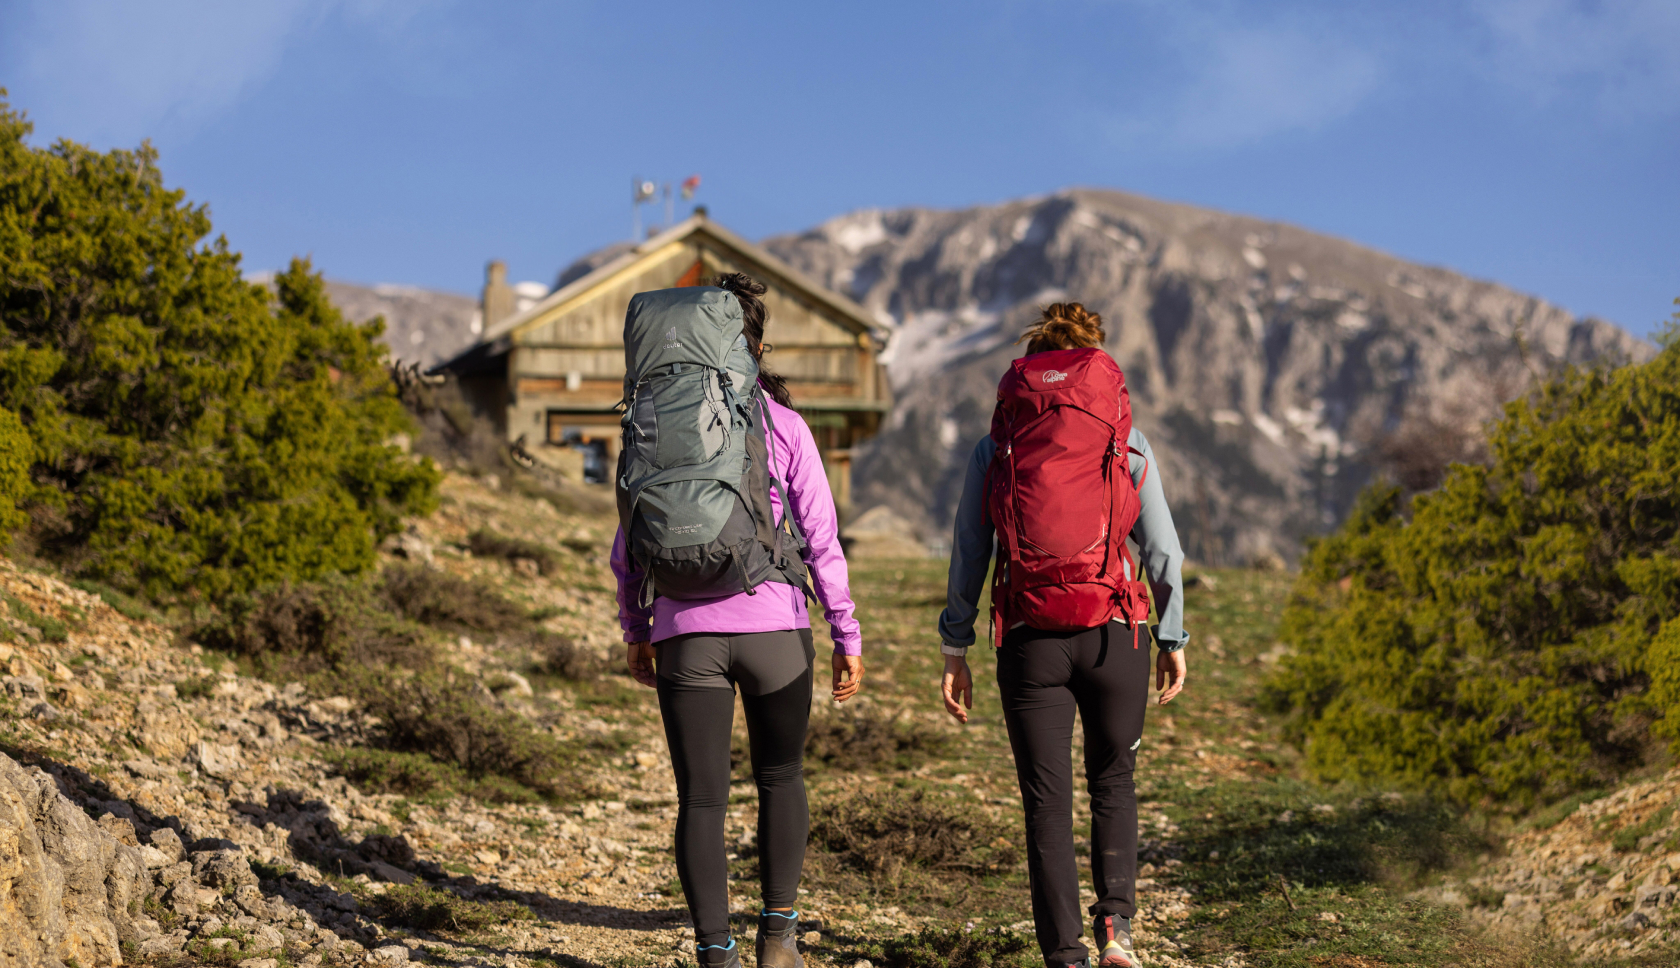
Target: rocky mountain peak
[(1266, 362)]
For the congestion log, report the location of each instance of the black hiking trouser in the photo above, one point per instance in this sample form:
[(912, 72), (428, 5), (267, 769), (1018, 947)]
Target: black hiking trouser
[(698, 674), (1044, 677)]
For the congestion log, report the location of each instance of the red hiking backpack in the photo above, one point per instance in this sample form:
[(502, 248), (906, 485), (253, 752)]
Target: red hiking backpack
[(1059, 492)]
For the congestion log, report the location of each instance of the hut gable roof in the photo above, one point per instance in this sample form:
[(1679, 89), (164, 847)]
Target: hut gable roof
[(757, 260)]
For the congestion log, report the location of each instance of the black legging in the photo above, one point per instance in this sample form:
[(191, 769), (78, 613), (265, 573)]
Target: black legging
[(1043, 676), (697, 678)]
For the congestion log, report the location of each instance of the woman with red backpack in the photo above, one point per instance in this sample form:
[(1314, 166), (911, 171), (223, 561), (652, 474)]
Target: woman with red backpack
[(1060, 482)]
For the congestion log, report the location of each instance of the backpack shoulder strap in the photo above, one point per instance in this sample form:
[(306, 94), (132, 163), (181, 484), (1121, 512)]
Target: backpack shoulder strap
[(788, 524)]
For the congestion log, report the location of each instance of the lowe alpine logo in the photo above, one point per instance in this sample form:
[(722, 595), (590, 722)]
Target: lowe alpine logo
[(1054, 376)]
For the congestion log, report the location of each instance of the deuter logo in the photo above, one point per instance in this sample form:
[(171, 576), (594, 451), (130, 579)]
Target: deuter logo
[(671, 342), (1054, 376)]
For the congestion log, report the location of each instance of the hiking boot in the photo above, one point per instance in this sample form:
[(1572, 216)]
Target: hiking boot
[(719, 956), (778, 940), (1114, 942)]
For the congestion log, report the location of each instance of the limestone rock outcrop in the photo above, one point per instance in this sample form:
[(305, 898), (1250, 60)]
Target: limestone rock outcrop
[(70, 890)]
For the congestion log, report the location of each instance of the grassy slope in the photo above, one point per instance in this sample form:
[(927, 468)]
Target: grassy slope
[(1281, 871)]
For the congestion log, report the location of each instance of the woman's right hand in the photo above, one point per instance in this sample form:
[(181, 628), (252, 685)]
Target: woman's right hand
[(958, 684), (639, 656)]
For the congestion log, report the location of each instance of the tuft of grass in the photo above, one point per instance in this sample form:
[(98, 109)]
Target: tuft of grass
[(159, 912), (486, 543), (881, 833), (127, 606), (1627, 839), (196, 687), (953, 948), (862, 738), (1478, 896), (51, 629), (1553, 814), (423, 778), (428, 908), (202, 952), (268, 872), (387, 771)]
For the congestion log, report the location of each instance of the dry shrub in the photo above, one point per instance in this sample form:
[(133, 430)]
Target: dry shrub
[(413, 775), (567, 497), (439, 734), (453, 721), (1417, 453), (457, 604), (488, 544), (558, 655), (442, 600), (862, 738), (881, 833), (292, 630)]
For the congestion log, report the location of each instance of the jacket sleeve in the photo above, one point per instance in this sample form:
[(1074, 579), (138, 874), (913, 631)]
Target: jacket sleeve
[(971, 555), (813, 508), (632, 618), (1157, 541)]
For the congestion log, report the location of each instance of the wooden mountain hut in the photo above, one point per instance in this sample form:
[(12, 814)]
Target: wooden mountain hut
[(552, 374)]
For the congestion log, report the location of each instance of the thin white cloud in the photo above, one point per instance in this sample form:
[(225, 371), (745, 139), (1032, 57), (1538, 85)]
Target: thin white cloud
[(1252, 83), (113, 72), (1240, 74), (1624, 55)]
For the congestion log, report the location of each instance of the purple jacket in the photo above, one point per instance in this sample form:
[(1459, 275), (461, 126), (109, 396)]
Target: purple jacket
[(776, 606)]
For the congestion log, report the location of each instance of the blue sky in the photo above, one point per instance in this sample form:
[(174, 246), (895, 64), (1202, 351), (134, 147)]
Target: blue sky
[(1534, 142)]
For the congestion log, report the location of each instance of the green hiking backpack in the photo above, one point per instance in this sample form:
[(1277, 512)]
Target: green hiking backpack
[(694, 474)]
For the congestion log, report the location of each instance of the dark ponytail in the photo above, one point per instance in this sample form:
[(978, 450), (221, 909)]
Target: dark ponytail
[(747, 290)]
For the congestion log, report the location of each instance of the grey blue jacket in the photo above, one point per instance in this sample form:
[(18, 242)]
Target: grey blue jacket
[(972, 542)]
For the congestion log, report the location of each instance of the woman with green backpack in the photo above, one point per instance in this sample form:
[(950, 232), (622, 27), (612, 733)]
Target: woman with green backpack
[(1060, 483), (726, 523)]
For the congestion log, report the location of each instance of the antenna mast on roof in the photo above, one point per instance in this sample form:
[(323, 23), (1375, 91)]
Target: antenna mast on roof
[(640, 191)]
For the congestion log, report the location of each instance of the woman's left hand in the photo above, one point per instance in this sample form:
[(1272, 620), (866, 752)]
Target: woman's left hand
[(848, 676), (1170, 670)]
